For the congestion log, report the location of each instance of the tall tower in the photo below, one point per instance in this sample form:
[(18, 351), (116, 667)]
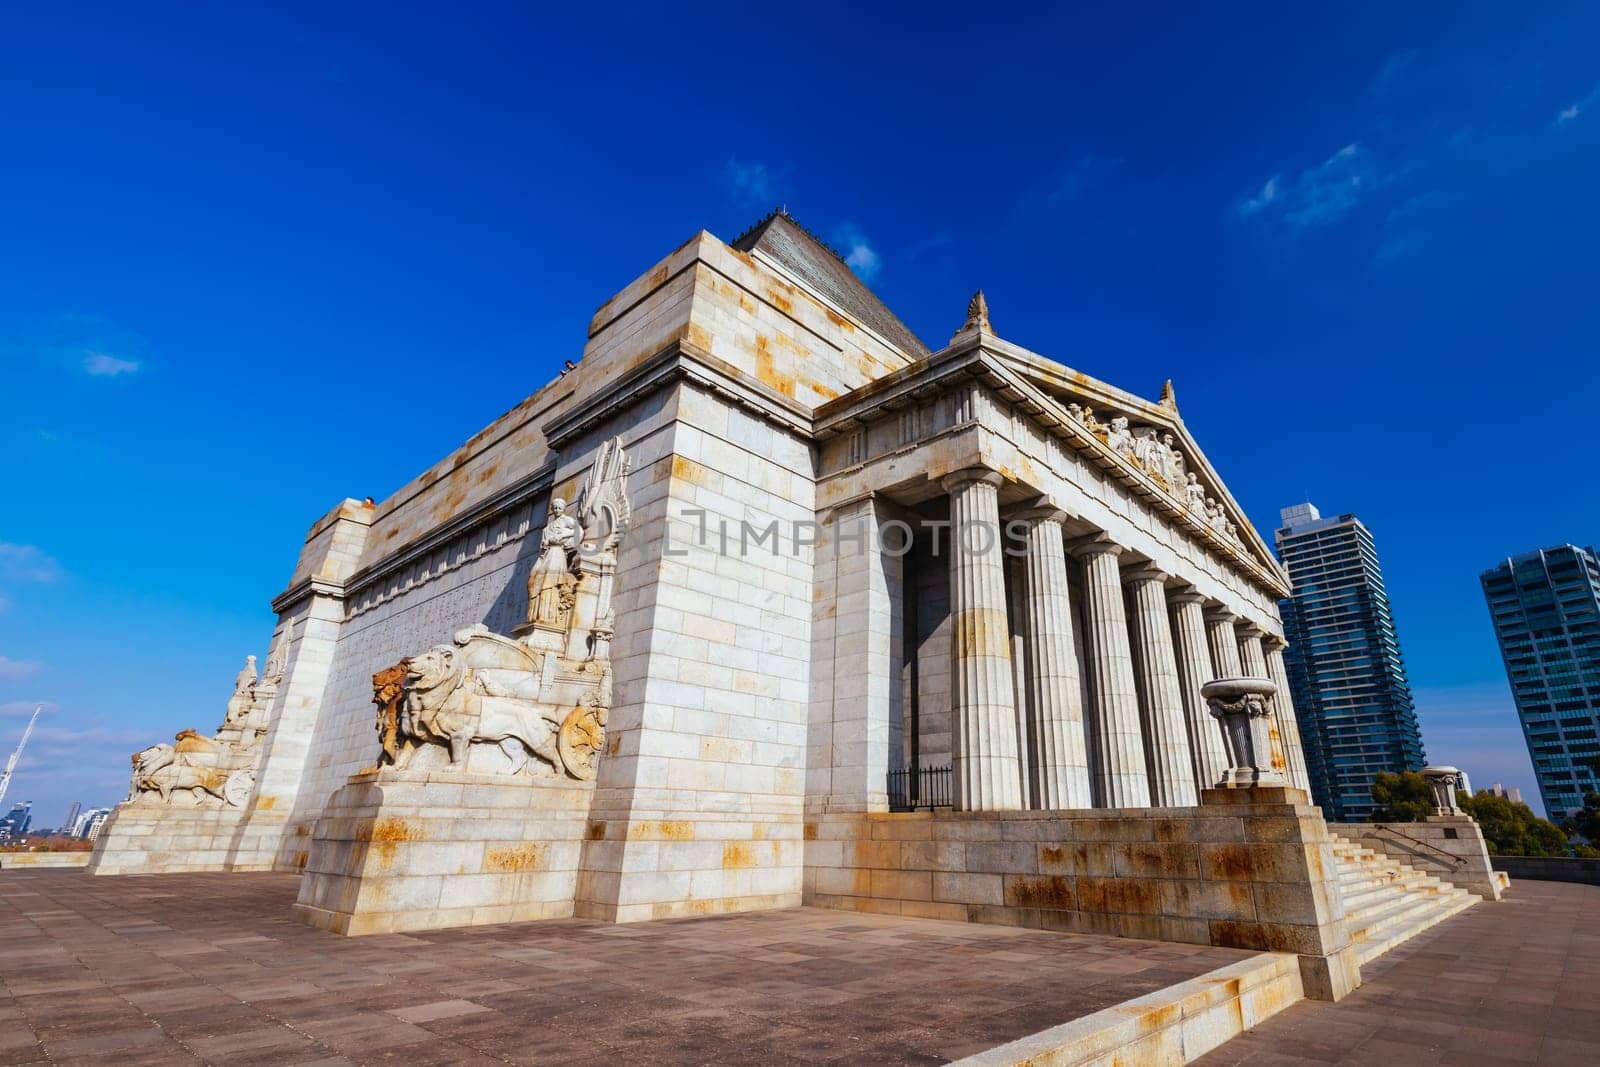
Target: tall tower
[(1546, 611), (1346, 673)]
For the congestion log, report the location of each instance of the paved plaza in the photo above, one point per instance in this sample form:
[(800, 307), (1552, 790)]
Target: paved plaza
[(1512, 982), (209, 968)]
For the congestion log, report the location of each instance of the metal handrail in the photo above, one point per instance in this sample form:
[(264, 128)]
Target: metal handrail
[(1455, 861)]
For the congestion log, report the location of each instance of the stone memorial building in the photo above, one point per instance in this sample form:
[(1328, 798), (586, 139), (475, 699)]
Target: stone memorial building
[(765, 601)]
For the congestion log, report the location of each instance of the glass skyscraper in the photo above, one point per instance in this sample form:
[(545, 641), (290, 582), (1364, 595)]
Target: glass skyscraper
[(1346, 675), (1546, 611)]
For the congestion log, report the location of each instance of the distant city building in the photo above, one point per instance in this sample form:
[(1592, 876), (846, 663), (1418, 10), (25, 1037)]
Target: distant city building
[(88, 823), (1513, 794), (17, 820), (97, 819), (72, 817), (1546, 611), (1346, 674)]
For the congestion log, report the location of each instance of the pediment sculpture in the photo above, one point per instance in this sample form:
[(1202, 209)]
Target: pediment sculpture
[(534, 703), (1155, 452)]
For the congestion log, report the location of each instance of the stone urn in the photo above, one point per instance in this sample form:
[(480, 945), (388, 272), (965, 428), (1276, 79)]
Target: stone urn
[(1444, 781), (1241, 708)]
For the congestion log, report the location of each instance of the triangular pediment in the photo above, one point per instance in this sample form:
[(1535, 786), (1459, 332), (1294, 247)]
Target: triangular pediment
[(1147, 438)]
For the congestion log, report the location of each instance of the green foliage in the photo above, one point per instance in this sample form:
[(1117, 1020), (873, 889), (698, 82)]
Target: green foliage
[(1512, 829), (1585, 822), (1403, 797), (1586, 852)]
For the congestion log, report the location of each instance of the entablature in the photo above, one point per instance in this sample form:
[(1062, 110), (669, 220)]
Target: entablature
[(973, 385)]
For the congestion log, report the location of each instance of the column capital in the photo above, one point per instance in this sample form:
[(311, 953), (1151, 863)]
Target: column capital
[(1249, 629), (1041, 513), (1274, 643), (1187, 595), (966, 475), (1220, 613), (1144, 572), (1098, 544)]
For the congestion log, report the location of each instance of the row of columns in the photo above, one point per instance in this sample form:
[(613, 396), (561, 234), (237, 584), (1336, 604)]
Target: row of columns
[(1153, 740)]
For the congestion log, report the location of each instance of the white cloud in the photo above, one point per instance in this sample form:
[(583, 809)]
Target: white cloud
[(859, 255), (1269, 192), (15, 669), (25, 563), (1578, 107), (100, 365), (752, 182), (1320, 194)]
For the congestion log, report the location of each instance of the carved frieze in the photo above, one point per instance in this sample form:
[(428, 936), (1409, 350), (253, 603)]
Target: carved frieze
[(537, 702)]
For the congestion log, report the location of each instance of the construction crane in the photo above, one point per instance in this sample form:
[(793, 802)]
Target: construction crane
[(11, 764)]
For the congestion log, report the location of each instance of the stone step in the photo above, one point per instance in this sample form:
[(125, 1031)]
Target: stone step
[(1357, 887), (1388, 902), (1372, 922), (1372, 899), (1377, 912), (1370, 949)]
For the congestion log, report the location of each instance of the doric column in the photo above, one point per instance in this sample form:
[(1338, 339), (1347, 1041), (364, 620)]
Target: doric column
[(983, 705), (1121, 780), (1160, 691), (1224, 643), (1288, 723), (1254, 660), (1054, 691), (1194, 670)]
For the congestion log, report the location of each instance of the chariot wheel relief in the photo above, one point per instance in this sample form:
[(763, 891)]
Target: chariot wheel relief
[(580, 739), (237, 789)]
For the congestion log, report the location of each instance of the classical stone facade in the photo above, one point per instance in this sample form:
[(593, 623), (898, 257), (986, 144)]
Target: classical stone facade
[(675, 634)]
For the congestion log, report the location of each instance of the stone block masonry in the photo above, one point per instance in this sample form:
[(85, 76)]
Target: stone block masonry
[(147, 838), (1248, 869), (393, 852)]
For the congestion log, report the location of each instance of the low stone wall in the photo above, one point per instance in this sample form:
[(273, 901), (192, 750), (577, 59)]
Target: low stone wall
[(1449, 847), (25, 860), (148, 837), (393, 852), (1550, 868), (1249, 868), (1174, 1025)]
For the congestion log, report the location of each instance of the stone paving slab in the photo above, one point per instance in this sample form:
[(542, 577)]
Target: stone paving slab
[(1501, 983), (207, 968)]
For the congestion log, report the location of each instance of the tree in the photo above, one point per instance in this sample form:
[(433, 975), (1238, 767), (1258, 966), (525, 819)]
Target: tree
[(1585, 822), (1403, 797), (1512, 829)]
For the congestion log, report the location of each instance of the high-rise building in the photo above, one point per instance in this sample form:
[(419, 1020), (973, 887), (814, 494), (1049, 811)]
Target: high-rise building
[(97, 819), (1346, 674), (17, 820), (1546, 611), (72, 816)]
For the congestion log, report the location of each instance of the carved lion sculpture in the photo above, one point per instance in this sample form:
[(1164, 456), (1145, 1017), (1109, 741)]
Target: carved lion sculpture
[(160, 769), (447, 704)]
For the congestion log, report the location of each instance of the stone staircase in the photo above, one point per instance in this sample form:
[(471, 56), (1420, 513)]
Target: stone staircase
[(1387, 902)]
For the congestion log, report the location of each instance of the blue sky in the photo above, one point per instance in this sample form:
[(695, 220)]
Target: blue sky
[(258, 260)]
